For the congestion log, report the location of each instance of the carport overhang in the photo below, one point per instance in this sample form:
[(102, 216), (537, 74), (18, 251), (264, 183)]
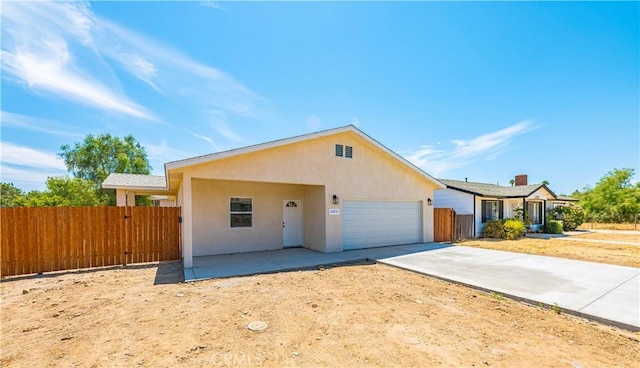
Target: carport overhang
[(127, 186)]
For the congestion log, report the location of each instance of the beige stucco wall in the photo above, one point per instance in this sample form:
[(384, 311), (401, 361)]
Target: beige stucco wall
[(371, 174), (212, 233)]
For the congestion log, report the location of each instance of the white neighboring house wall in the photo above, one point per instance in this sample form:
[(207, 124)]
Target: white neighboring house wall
[(461, 202)]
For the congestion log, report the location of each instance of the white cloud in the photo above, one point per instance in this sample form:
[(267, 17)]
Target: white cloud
[(206, 139), (177, 75), (9, 119), (160, 154), (465, 152), (212, 4), (63, 49), (39, 40), (141, 68), (29, 157), (219, 122), (26, 178)]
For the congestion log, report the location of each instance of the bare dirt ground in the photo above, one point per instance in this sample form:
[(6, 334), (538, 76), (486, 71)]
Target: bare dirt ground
[(617, 254), (351, 316)]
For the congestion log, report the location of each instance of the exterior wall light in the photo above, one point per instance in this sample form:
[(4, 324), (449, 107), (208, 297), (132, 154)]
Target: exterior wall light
[(336, 200), (429, 202)]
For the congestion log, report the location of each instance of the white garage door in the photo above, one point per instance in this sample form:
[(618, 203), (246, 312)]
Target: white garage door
[(375, 224)]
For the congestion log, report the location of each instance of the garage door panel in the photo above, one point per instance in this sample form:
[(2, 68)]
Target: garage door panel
[(372, 224)]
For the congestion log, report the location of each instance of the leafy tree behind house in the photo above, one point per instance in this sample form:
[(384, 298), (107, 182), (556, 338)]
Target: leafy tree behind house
[(63, 191), (9, 194), (98, 156), (615, 198)]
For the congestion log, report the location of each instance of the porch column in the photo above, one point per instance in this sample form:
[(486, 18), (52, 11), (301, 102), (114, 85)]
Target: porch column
[(131, 199), (121, 197), (187, 221)]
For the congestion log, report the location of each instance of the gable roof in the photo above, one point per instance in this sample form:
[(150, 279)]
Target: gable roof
[(134, 181), (300, 138), (494, 190)]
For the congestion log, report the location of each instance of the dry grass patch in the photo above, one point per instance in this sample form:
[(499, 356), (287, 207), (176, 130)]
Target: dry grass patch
[(356, 316), (623, 255), (634, 238), (604, 226)]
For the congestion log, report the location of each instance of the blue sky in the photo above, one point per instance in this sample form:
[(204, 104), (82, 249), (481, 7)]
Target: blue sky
[(479, 90)]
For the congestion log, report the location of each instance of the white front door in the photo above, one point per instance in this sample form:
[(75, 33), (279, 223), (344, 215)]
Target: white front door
[(292, 223)]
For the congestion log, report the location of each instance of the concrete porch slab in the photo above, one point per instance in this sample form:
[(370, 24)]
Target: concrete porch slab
[(281, 260)]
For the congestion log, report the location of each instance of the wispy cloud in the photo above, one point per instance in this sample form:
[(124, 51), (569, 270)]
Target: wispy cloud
[(437, 160), (220, 123), (9, 119), (26, 178), (39, 40), (159, 154), (29, 157), (212, 4), (206, 139), (141, 68), (198, 86), (63, 49), (26, 167)]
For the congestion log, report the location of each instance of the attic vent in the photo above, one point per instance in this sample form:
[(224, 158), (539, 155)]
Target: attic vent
[(348, 152), (339, 150)]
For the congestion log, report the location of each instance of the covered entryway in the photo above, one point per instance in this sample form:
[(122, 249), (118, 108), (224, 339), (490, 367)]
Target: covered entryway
[(370, 224)]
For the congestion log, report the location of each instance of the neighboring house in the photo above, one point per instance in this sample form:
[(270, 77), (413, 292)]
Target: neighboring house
[(561, 201), (329, 191), (493, 202)]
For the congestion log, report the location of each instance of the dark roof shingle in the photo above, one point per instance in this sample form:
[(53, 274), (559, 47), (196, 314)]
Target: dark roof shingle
[(494, 190)]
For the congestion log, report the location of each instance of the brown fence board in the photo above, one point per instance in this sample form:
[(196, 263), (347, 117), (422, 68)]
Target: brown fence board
[(443, 224), (464, 227), (43, 239)]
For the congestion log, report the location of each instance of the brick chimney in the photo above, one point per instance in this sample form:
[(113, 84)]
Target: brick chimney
[(521, 180)]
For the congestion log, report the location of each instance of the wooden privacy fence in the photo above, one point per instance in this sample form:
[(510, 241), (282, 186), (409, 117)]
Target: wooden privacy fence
[(443, 224), (449, 227), (44, 239), (464, 227)]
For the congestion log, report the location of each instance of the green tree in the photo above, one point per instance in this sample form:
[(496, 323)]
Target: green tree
[(63, 191), (9, 194), (615, 198), (98, 156)]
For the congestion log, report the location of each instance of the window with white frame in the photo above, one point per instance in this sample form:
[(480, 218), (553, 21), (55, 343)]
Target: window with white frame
[(492, 210), (241, 212), (534, 210)]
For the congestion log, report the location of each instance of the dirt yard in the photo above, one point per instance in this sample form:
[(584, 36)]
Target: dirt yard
[(351, 316), (573, 248)]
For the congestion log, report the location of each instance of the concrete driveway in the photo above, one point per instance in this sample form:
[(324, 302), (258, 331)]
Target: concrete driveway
[(592, 290)]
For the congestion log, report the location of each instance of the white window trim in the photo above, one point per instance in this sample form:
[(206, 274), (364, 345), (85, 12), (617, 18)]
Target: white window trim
[(240, 213)]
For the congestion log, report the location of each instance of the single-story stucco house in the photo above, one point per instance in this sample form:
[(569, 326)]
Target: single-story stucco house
[(329, 191), (491, 201)]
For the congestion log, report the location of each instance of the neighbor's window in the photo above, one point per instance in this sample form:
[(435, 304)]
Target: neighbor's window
[(339, 150), (491, 210), (348, 152), (534, 209), (241, 212)]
